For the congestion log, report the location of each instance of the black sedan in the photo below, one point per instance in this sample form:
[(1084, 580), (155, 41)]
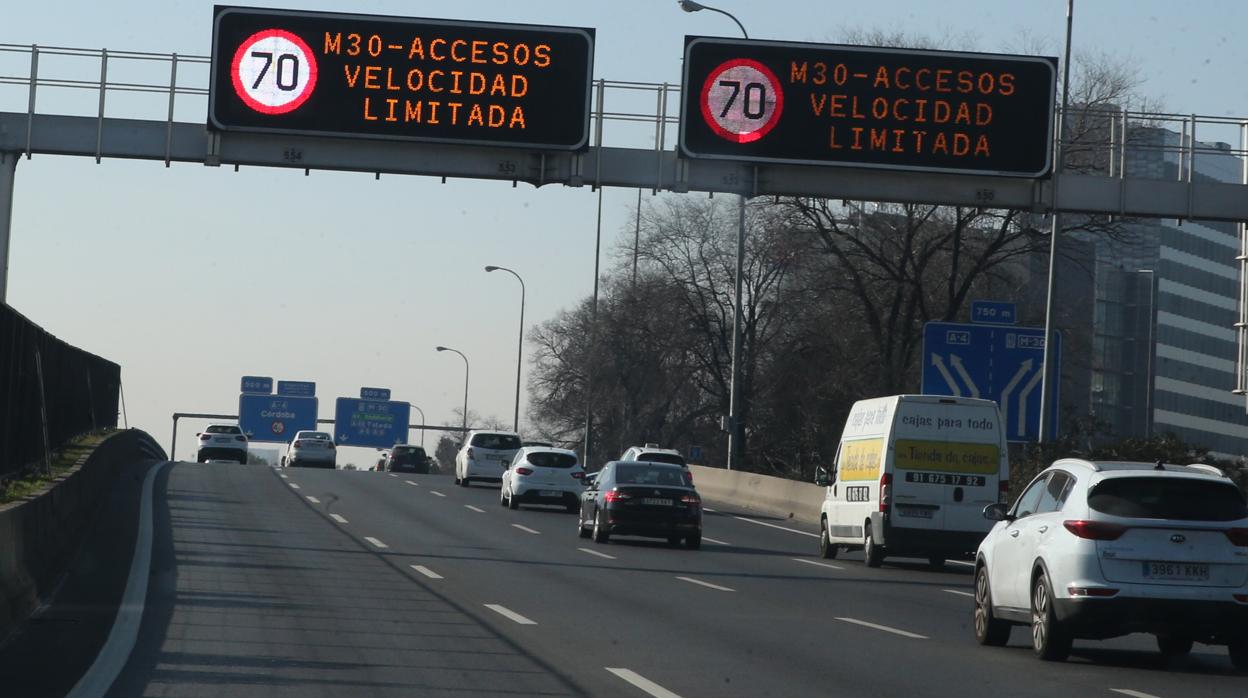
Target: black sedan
[(655, 500)]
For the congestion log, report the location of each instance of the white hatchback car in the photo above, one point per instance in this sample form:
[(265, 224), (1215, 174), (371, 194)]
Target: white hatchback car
[(540, 475), (1096, 550), (485, 455)]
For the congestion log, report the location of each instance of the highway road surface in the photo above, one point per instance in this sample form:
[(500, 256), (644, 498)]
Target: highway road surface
[(291, 582)]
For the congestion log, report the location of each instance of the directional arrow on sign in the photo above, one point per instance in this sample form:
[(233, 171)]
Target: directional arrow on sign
[(1022, 401), (1023, 369), (944, 373), (956, 362)]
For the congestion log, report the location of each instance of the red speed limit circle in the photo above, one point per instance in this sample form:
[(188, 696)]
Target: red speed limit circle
[(274, 71), (742, 100)]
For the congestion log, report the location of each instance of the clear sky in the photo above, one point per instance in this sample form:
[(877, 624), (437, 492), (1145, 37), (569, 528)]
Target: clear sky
[(190, 277)]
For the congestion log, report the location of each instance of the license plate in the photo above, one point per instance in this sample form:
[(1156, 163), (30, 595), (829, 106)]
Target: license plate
[(653, 501), (915, 512), (222, 439), (550, 493), (1193, 571)]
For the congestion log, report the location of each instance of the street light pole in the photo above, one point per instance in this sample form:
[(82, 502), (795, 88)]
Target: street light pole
[(465, 358), (735, 428), (519, 345)]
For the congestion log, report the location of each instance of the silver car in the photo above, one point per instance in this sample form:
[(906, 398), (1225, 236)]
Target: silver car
[(312, 449)]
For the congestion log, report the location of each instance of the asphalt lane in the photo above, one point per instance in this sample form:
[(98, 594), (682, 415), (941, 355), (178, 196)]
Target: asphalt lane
[(309, 582)]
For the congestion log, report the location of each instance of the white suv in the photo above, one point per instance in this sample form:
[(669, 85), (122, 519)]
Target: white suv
[(485, 455), (1096, 550), (651, 453), (543, 476), (222, 442)]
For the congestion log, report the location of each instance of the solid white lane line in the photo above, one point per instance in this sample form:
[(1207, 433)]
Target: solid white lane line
[(509, 614), (526, 529), (642, 682), (1133, 694), (708, 585), (885, 628), (375, 542), (959, 593), (782, 528), (716, 542), (314, 500), (436, 493), (413, 484), (337, 518), (116, 650), (469, 506), (426, 571), (294, 486), (595, 552), (816, 563)]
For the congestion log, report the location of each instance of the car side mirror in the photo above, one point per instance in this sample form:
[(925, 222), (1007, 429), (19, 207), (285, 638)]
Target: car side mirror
[(822, 477), (998, 512)]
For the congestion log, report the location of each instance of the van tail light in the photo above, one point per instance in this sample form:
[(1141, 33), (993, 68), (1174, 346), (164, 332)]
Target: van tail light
[(886, 491), (1238, 536), (617, 496), (1003, 491), (524, 471), (578, 475), (1095, 530)]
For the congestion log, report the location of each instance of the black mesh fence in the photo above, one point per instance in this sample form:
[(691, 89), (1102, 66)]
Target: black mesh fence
[(50, 392)]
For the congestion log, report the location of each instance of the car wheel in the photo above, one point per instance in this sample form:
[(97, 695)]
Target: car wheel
[(456, 477), (463, 481), (512, 502), (827, 549), (673, 541), (694, 541), (1049, 640), (502, 498), (600, 529), (872, 554), (989, 630), (936, 563), (1174, 646), (1238, 652), (580, 526)]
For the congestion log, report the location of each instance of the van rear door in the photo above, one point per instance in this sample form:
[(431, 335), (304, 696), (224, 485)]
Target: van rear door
[(947, 460)]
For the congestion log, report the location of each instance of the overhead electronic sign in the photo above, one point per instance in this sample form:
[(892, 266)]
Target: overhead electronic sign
[(369, 76), (859, 106)]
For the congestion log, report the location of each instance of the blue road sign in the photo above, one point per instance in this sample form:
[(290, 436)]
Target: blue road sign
[(257, 384), (296, 388), (695, 454), (275, 417), (995, 363), (374, 394), (370, 423), (994, 312)]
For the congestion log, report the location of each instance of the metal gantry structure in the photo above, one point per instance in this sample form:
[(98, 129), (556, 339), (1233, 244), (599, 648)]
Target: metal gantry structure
[(613, 159)]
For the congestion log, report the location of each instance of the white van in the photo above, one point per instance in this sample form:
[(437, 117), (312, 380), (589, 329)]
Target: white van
[(912, 476)]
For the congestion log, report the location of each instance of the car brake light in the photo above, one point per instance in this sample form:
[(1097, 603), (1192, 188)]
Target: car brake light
[(524, 471), (330, 445), (578, 475), (1242, 598), (1238, 536), (204, 437), (1091, 591), (616, 496), (692, 500), (470, 457), (1095, 530), (886, 491), (240, 438)]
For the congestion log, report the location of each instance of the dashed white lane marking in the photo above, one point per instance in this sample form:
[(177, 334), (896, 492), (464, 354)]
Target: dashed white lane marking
[(510, 614), (959, 593), (375, 542), (710, 509), (964, 563), (426, 571), (476, 509), (716, 542), (782, 528), (412, 483), (595, 552), (885, 628), (392, 475), (1133, 694), (642, 682), (816, 563), (283, 476), (708, 585), (338, 518), (436, 493), (526, 529), (294, 486), (314, 500)]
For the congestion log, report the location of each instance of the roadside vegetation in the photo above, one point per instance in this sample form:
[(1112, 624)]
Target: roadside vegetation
[(33, 481)]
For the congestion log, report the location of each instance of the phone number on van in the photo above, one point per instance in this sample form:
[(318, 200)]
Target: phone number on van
[(946, 479)]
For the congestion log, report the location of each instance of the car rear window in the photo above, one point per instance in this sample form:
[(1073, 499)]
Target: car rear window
[(645, 475), (1168, 498), (500, 442), (315, 435), (224, 430), (551, 460), (410, 454), (662, 458)]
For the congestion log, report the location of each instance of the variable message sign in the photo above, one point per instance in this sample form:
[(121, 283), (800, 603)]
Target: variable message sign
[(858, 106), (319, 73), (370, 423)]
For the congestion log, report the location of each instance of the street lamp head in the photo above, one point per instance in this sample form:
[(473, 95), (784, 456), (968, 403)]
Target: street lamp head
[(690, 5), (441, 348), (491, 267)]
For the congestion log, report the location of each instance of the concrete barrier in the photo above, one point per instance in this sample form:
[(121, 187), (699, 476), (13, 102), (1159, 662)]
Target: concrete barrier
[(39, 535), (773, 496)]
